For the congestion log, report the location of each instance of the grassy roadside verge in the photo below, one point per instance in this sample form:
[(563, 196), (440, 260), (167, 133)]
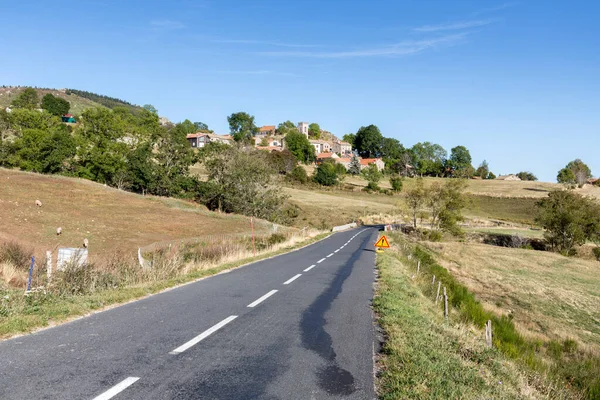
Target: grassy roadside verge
[(21, 313), (426, 357)]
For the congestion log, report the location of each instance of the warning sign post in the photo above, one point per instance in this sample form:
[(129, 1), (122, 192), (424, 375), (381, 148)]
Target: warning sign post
[(382, 243)]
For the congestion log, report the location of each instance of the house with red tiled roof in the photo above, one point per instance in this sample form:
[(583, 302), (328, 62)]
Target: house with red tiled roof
[(326, 156), (365, 162), (267, 130)]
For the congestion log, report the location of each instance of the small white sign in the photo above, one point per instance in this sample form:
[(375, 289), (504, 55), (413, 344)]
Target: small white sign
[(71, 255)]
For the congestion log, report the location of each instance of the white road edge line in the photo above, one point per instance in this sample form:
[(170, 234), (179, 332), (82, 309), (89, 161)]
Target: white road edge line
[(203, 335), (336, 250), (261, 299), (330, 255), (292, 279), (309, 268), (118, 388), (321, 260)]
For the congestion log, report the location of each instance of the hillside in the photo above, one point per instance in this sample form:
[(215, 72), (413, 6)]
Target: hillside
[(109, 218), (80, 100)]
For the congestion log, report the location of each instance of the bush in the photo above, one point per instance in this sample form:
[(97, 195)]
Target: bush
[(596, 251), (435, 236), (298, 175), (326, 175), (15, 254), (372, 186), (396, 183)]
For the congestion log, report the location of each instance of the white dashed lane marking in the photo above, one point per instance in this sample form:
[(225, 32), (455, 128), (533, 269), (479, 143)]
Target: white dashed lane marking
[(321, 260), (309, 268), (262, 298), (203, 335), (118, 388), (292, 279)]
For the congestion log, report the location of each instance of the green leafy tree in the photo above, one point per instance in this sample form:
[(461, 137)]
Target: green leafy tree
[(283, 162), (396, 182), (416, 198), (55, 105), (150, 108), (241, 182), (445, 203), (483, 170), (527, 176), (300, 147), (460, 162), (202, 127), (326, 175), (314, 130), (349, 137), (391, 150), (569, 220), (491, 175), (371, 174), (368, 141), (185, 127), (242, 127), (354, 166), (286, 127), (429, 158), (27, 99), (575, 172), (298, 175), (340, 170)]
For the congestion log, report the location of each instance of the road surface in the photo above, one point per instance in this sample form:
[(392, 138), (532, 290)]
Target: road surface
[(297, 326)]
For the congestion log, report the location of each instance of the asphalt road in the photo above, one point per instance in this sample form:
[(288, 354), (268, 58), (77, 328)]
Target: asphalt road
[(297, 326)]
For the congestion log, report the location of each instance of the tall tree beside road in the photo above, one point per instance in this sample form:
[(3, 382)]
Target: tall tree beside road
[(300, 147), (415, 199), (314, 130), (575, 172), (242, 127), (28, 99), (368, 141)]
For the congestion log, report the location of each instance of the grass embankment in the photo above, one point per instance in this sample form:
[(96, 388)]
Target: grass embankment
[(551, 369), (110, 219), (79, 291)]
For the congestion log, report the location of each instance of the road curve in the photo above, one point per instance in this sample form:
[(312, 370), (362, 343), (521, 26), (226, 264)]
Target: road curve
[(297, 326)]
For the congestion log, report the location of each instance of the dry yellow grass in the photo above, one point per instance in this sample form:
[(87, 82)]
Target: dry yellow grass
[(111, 219), (549, 296)]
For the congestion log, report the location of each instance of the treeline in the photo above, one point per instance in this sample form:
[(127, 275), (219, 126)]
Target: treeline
[(106, 101)]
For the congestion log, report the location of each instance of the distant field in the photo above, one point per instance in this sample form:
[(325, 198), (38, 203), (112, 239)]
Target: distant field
[(109, 218), (548, 295)]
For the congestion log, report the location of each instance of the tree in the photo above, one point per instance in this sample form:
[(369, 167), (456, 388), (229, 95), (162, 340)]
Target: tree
[(371, 174), (452, 204), (491, 175), (242, 127), (298, 175), (241, 182), (429, 158), (396, 182), (416, 198), (28, 99), (314, 130), (483, 170), (300, 147), (368, 141), (527, 176), (283, 162), (349, 137), (55, 105), (391, 149), (575, 172), (569, 220), (202, 127), (286, 127), (325, 174), (460, 161), (150, 108), (354, 167)]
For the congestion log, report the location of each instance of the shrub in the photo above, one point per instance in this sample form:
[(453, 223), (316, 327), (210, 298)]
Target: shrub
[(15, 254), (396, 183), (372, 186), (298, 175), (435, 236), (325, 175)]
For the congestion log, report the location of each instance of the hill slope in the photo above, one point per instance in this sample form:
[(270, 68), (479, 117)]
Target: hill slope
[(80, 100), (111, 219)]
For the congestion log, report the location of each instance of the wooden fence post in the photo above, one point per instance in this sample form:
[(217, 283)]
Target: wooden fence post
[(437, 296), (433, 281), (49, 265), (445, 303), (418, 267)]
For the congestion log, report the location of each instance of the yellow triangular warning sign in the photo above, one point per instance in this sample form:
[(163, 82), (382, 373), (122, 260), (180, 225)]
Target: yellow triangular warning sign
[(383, 243)]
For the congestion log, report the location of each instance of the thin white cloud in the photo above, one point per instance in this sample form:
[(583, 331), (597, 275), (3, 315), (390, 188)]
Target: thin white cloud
[(261, 42), (494, 9), (167, 24), (452, 26), (256, 72), (398, 49)]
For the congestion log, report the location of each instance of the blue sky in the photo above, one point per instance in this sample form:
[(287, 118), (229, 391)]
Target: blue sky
[(516, 82)]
